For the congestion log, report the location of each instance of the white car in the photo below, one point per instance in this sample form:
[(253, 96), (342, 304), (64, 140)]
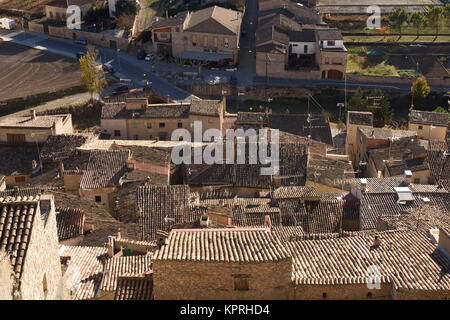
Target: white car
[(149, 57)]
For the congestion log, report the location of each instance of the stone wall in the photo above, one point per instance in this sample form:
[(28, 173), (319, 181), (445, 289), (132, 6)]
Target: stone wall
[(35, 27), (179, 280), (341, 292), (6, 279), (42, 266), (92, 38)]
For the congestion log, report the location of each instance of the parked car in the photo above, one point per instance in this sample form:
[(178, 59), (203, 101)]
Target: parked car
[(141, 55), (108, 68), (81, 41), (80, 54), (119, 90), (149, 57)]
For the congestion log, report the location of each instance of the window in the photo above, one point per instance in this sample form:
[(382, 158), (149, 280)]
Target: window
[(225, 43), (295, 45), (180, 138), (420, 127), (116, 133), (194, 40), (324, 295), (136, 137), (162, 125), (305, 48), (98, 199), (150, 137), (331, 43), (149, 125), (369, 294), (180, 125), (240, 283)]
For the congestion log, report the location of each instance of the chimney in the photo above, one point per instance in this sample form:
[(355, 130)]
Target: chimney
[(377, 241), (161, 238), (408, 176), (110, 247), (204, 221), (224, 105), (267, 222), (61, 167), (276, 180), (363, 184), (33, 114)]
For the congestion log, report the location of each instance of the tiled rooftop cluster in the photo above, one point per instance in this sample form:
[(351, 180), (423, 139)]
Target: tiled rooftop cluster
[(62, 146), (70, 222), (428, 117)]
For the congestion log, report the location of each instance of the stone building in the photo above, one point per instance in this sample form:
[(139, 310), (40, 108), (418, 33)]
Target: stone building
[(429, 125), (19, 130), (28, 233), (137, 119), (6, 277), (235, 264), (405, 264), (207, 35), (95, 174), (57, 9), (356, 119)]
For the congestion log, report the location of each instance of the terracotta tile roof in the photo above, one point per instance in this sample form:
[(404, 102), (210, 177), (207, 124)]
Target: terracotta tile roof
[(18, 160), (134, 288), (302, 15), (378, 204), (87, 269), (385, 133), (288, 233), (70, 222), (17, 216), (428, 117), (206, 107), (408, 259), (397, 168), (118, 266), (40, 122), (362, 118), (62, 146), (439, 163), (104, 169), (173, 21), (119, 111), (222, 245), (215, 20), (329, 34), (295, 192), (65, 3), (20, 192), (154, 203)]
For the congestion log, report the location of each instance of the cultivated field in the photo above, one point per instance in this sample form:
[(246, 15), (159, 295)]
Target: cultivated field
[(25, 72), (27, 5)]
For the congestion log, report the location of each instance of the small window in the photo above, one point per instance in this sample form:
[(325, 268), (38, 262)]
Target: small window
[(136, 137), (420, 127), (162, 125), (305, 48), (180, 138), (150, 137), (369, 294), (331, 43), (324, 295), (180, 125), (149, 125), (225, 43), (240, 283), (98, 199), (295, 45), (116, 133)]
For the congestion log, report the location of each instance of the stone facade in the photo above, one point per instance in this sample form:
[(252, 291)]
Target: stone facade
[(176, 280), (341, 292), (6, 278)]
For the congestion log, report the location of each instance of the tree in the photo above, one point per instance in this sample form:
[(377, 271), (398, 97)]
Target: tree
[(434, 16), (357, 102), (92, 75), (440, 110), (418, 21), (397, 18), (96, 15), (126, 6), (380, 107), (420, 89), (125, 22)]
